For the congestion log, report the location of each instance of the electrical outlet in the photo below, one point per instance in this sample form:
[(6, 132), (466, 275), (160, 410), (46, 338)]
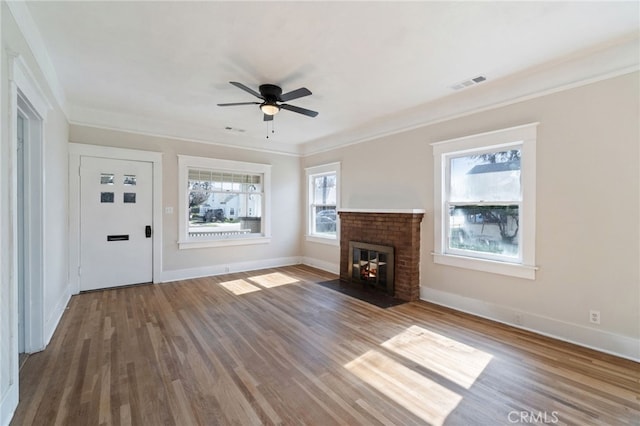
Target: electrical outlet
[(227, 269), (518, 319), (594, 317)]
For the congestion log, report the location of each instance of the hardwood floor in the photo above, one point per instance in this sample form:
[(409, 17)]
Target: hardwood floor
[(273, 347)]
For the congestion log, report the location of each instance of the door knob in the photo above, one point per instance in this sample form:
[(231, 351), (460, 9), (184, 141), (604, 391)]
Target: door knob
[(147, 231)]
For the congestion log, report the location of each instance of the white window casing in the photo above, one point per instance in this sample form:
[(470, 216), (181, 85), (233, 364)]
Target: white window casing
[(187, 239), (520, 137), (312, 234)]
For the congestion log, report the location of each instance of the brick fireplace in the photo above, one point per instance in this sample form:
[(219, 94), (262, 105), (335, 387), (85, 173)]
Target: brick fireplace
[(397, 228)]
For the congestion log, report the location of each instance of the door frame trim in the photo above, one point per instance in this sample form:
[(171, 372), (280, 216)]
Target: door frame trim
[(26, 94), (76, 152), (21, 86), (34, 226)]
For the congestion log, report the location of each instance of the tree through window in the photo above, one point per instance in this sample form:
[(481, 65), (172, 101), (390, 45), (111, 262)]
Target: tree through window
[(485, 201)]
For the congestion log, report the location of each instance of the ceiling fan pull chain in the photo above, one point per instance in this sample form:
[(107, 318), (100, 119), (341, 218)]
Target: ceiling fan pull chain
[(272, 129)]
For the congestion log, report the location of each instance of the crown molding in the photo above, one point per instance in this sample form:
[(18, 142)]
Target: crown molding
[(145, 126), (603, 62)]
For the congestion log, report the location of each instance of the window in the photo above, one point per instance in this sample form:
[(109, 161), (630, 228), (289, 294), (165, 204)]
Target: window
[(223, 202), (323, 197), (485, 202)]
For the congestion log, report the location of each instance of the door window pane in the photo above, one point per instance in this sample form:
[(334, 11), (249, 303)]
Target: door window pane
[(129, 180), (106, 197), (106, 178), (129, 197)]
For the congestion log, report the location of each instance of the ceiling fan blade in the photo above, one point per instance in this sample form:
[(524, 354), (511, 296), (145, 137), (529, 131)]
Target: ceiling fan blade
[(246, 89), (303, 91), (240, 103), (299, 110), (267, 117)]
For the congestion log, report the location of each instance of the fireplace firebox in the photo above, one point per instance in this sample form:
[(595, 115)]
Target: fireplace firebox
[(372, 265), (397, 228)]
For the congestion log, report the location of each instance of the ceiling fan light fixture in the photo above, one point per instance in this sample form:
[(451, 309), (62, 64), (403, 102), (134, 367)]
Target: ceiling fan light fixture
[(270, 108)]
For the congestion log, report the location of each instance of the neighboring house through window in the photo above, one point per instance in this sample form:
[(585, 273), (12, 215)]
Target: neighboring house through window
[(323, 195), (223, 202), (485, 201)]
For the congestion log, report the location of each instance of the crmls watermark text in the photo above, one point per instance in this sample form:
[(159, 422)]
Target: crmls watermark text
[(533, 417)]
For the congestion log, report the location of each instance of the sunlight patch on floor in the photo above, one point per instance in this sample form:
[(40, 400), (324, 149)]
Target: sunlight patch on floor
[(239, 287), (425, 398), (460, 363), (274, 279)]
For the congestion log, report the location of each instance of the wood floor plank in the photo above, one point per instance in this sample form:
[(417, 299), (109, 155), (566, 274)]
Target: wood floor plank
[(272, 347)]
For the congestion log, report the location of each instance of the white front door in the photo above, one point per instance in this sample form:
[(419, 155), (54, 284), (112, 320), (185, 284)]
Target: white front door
[(116, 212)]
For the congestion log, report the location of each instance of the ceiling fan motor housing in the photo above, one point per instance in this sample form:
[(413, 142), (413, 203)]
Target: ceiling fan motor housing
[(270, 92)]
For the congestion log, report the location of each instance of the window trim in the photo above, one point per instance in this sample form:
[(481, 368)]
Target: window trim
[(184, 163), (310, 173), (523, 136)]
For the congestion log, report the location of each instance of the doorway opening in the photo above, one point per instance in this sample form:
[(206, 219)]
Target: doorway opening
[(20, 131), (29, 241)]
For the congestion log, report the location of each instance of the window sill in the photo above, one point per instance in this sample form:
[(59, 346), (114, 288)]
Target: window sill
[(491, 266), (192, 244), (332, 241)]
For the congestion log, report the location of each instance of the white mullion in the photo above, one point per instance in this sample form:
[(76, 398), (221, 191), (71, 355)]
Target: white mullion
[(483, 203)]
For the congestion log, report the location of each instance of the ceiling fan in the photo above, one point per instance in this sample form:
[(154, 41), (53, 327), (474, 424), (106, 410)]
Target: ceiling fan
[(272, 97)]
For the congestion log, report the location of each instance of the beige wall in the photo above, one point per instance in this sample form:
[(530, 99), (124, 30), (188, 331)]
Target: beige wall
[(285, 202), (56, 205), (587, 244)]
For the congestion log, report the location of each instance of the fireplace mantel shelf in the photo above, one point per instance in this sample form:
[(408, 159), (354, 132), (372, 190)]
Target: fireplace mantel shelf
[(401, 211)]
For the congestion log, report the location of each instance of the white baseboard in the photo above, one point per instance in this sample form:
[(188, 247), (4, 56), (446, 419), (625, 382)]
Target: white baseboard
[(207, 271), (55, 316), (603, 341), (333, 268), (9, 402)]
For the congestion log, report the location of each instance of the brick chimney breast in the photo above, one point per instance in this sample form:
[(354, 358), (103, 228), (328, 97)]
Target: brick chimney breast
[(397, 228)]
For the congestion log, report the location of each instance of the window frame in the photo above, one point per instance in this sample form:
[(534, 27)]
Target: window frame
[(186, 162), (522, 137), (310, 174)]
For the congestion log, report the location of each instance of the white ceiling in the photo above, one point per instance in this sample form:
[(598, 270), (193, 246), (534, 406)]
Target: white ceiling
[(373, 67)]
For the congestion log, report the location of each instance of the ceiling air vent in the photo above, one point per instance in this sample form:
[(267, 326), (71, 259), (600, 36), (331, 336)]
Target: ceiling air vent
[(470, 82)]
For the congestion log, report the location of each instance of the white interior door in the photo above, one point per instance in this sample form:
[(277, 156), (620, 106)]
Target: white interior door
[(116, 212)]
